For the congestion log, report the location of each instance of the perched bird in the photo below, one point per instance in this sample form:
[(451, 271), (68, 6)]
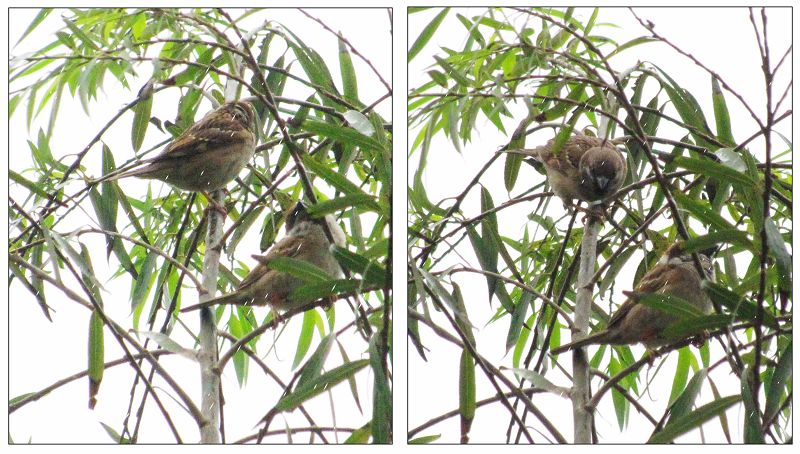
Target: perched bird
[(585, 168), (674, 275), (305, 240), (206, 156)]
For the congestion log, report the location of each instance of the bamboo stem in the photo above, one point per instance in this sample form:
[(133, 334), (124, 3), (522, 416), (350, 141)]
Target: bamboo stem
[(209, 376)]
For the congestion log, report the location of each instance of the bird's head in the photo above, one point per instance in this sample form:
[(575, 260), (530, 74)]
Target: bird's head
[(602, 172)]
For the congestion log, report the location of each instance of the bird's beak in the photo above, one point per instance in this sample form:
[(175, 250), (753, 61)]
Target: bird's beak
[(602, 182)]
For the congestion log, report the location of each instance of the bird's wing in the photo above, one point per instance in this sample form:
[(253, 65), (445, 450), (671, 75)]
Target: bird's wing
[(289, 246), (623, 310), (653, 281), (215, 130)]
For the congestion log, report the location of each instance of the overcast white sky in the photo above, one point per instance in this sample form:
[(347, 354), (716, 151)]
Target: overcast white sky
[(721, 38), (41, 353)]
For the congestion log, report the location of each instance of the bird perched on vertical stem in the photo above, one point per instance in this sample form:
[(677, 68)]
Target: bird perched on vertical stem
[(676, 275), (585, 168), (305, 240), (208, 155)]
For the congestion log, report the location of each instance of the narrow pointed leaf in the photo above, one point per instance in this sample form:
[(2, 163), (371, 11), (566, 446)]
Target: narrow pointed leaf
[(319, 385)]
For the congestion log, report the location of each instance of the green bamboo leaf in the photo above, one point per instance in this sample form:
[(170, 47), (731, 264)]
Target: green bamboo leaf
[(495, 24), (779, 382), (777, 246), (451, 300), (338, 204), (240, 359), (141, 116), (687, 327), (723, 419), (487, 256), (428, 439), (115, 435), (349, 79), (43, 13), (304, 341), (30, 185), (721, 114), (318, 290), (374, 274), (472, 29), (96, 357), (334, 178), (752, 414), (105, 204), (462, 316), (689, 110), (314, 66), (730, 236), (313, 367), (270, 228), (694, 419), (351, 381), (438, 77), (344, 134), (511, 170), (142, 286), (466, 393), (518, 319), (681, 374), (317, 386), (681, 406), (79, 33), (621, 405), (668, 304), (739, 307), (299, 268), (243, 226), (632, 43), (703, 211), (85, 267), (713, 169), (381, 394), (426, 34), (14, 401), (561, 108), (614, 269), (454, 73), (360, 436), (13, 103)]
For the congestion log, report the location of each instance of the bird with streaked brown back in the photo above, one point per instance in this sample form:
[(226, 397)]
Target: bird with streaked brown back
[(585, 168), (305, 240), (676, 275)]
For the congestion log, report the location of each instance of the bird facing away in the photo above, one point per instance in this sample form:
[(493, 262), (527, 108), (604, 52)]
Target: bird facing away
[(676, 275), (305, 240), (585, 168), (208, 155)]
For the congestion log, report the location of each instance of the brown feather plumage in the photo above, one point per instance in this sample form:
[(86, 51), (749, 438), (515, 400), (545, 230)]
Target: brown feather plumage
[(633, 322)]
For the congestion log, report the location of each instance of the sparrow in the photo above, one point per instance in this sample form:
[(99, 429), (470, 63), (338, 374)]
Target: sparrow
[(585, 168), (208, 155), (305, 240), (675, 274)]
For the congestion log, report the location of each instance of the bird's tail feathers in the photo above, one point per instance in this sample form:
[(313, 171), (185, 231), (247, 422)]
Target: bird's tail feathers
[(138, 171), (230, 298), (593, 339)]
